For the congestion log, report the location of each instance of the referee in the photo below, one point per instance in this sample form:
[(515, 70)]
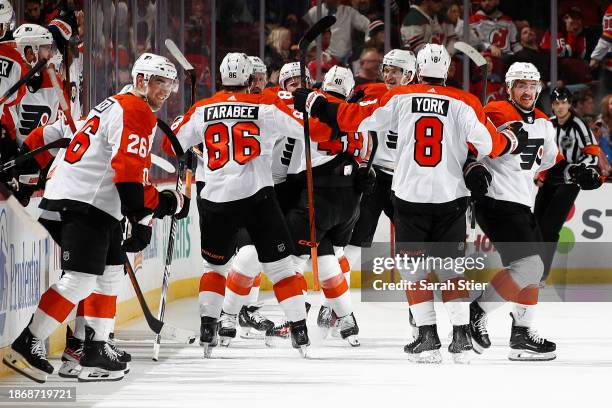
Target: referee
[(578, 167)]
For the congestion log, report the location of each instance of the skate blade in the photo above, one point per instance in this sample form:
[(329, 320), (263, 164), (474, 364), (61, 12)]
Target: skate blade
[(207, 349), (303, 351), (478, 349), (526, 355), (16, 361), (96, 374), (249, 334), (465, 357), (353, 340), (69, 369), (225, 341), (426, 357)]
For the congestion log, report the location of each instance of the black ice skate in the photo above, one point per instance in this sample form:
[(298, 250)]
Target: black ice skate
[(71, 357), (279, 331), (28, 357), (252, 322), (99, 362), (227, 328), (478, 328), (349, 329), (527, 345), (326, 321), (208, 334), (299, 336), (122, 355), (461, 345), (426, 347)]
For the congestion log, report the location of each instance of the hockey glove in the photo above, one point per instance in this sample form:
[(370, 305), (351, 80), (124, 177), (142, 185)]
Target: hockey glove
[(308, 100), (477, 178), (365, 181), (587, 178), (24, 187), (170, 203), (138, 234), (517, 137)]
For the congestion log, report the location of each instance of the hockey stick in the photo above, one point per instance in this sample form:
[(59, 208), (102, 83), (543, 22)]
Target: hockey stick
[(481, 63), (56, 144), (62, 100), (158, 327), (35, 69), (318, 28), (176, 53), (162, 163)]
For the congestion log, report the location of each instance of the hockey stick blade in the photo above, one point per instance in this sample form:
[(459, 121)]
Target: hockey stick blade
[(318, 28), (162, 163), (174, 333), (178, 55), (471, 52)]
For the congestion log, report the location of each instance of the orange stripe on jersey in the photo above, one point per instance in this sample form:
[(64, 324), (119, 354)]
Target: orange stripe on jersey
[(334, 286), (345, 266), (528, 296), (212, 282), (374, 90), (138, 124), (99, 305), (591, 149), (418, 295), (55, 305), (287, 288), (455, 293), (505, 285), (12, 53), (239, 283)]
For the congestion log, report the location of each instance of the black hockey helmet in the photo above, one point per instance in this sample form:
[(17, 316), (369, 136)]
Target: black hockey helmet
[(561, 93)]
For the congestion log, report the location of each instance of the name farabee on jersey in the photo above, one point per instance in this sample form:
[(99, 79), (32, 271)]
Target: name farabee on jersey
[(231, 112)]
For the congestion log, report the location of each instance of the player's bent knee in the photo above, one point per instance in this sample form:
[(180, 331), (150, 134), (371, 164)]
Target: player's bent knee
[(328, 267), (528, 270), (246, 261), (279, 270), (75, 286), (220, 269), (110, 282)]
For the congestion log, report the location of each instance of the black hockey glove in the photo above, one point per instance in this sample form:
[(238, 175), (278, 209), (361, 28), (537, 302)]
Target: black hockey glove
[(517, 137), (356, 97), (477, 178), (138, 235), (24, 187), (305, 99), (587, 178), (365, 181), (170, 203)]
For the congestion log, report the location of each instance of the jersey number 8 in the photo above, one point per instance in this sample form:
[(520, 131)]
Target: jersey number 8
[(244, 145), (428, 134)]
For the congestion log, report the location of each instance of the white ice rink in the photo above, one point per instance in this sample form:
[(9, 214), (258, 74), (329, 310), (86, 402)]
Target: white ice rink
[(376, 374)]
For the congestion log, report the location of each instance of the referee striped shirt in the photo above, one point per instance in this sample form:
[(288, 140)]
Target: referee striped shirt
[(575, 141)]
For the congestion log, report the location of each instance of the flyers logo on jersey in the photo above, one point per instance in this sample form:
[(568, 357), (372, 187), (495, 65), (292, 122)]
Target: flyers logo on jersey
[(5, 67), (33, 116)]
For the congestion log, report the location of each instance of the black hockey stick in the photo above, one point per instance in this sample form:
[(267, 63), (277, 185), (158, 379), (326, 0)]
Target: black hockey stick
[(35, 69), (158, 327), (56, 144), (318, 28)]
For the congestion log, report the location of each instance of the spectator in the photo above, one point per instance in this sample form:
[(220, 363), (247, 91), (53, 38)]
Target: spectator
[(376, 36), (326, 60), (532, 53), (277, 49), (369, 67), (347, 19), (492, 30), (583, 104), (421, 26), (33, 12), (571, 48), (604, 48)]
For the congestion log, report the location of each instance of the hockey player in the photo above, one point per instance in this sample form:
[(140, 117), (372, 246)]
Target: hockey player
[(398, 68), (239, 131), (260, 75), (6, 22), (102, 176), (505, 216), (434, 124)]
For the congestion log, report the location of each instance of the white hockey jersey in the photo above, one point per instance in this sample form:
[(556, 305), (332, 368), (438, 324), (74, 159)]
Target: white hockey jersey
[(12, 69), (113, 146), (496, 29), (238, 132), (33, 110), (513, 174), (434, 126)]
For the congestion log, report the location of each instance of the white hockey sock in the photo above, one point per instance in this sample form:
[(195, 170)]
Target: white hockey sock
[(212, 289), (287, 287), (334, 286)]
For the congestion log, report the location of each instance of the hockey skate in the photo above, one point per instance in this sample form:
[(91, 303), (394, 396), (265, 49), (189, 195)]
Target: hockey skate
[(299, 336), (461, 346), (208, 334), (478, 328), (426, 347), (349, 329), (122, 355), (28, 357), (252, 323), (227, 329), (99, 362), (279, 331), (326, 321), (71, 357), (527, 345)]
